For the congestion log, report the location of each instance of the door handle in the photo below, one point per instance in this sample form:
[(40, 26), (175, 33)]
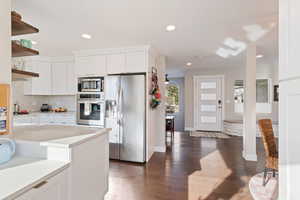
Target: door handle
[(220, 104), (40, 185)]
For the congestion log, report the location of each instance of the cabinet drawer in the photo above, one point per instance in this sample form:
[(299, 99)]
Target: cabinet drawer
[(54, 188)]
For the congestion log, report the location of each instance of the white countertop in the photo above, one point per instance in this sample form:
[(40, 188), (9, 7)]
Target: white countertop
[(58, 135), (22, 173), (46, 113)]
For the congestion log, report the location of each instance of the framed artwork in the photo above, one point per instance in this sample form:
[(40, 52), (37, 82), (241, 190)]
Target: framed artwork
[(276, 93)]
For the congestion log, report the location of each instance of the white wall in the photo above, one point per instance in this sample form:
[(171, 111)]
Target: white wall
[(289, 76), (5, 35), (5, 47), (179, 116), (230, 74), (33, 103), (156, 117)]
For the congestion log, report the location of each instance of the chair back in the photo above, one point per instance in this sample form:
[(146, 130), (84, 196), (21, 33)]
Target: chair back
[(266, 129)]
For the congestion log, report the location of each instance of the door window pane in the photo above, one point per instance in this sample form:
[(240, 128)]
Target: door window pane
[(208, 85), (208, 96), (208, 108), (208, 119)]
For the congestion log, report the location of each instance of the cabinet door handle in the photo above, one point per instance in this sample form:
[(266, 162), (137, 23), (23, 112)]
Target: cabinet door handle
[(40, 184)]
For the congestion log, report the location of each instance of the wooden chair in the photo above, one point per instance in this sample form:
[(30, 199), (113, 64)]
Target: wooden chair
[(266, 129), (170, 127)]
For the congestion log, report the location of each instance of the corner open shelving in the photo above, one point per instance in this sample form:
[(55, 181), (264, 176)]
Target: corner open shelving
[(18, 75), (19, 27), (20, 51)]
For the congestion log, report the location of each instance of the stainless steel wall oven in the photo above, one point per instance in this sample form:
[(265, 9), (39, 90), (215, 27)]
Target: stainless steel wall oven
[(91, 109)]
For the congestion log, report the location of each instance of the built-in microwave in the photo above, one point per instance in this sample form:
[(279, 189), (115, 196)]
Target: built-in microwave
[(91, 84)]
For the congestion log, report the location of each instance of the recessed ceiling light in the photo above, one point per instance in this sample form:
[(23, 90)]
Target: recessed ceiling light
[(86, 36), (189, 64), (33, 42), (170, 28), (259, 56)]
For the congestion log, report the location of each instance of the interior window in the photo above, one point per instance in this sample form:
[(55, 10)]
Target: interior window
[(263, 103), (262, 91), (172, 103)]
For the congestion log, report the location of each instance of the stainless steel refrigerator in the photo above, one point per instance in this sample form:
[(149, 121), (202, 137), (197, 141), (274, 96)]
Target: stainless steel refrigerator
[(126, 114)]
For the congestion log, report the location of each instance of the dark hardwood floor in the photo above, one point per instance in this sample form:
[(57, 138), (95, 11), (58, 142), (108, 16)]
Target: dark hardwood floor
[(192, 169)]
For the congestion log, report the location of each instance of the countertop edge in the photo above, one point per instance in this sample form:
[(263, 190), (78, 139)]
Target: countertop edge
[(57, 144)]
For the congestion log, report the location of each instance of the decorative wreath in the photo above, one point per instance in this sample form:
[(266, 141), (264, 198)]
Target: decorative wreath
[(155, 92)]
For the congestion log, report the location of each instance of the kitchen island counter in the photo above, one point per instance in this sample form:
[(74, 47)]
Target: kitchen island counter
[(22, 173), (57, 135), (80, 153)]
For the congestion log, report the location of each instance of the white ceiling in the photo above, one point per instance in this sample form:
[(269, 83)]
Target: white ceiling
[(201, 27)]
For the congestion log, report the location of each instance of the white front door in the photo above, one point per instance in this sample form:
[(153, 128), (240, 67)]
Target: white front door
[(208, 101)]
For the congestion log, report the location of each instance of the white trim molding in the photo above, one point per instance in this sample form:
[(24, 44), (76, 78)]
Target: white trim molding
[(189, 129), (249, 157)]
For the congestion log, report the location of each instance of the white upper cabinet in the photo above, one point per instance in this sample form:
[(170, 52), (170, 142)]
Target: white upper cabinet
[(111, 61), (90, 66), (71, 79), (116, 63), (135, 62), (55, 77), (59, 78), (63, 79), (130, 62), (42, 84)]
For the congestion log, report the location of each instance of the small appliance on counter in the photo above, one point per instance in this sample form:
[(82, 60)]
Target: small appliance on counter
[(16, 108), (60, 110), (45, 108), (3, 118), (23, 112), (7, 149)]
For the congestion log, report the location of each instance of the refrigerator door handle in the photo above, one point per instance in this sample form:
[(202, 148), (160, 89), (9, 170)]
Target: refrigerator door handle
[(119, 103)]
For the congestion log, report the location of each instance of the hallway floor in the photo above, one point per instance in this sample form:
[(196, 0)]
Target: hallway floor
[(192, 169)]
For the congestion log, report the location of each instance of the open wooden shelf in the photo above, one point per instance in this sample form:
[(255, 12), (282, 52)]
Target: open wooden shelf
[(20, 51), (18, 27), (20, 75)]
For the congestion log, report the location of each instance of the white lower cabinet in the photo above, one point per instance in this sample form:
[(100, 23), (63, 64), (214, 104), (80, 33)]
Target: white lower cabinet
[(54, 188), (45, 119)]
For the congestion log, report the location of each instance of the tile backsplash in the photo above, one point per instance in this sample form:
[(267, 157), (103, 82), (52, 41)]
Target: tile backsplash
[(34, 103)]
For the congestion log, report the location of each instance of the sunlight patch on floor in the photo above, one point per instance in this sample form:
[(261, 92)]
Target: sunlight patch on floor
[(213, 173)]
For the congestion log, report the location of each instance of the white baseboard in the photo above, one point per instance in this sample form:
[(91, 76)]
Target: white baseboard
[(161, 149), (188, 129), (249, 157)]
